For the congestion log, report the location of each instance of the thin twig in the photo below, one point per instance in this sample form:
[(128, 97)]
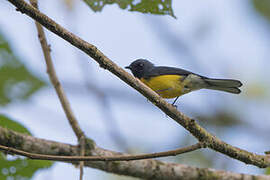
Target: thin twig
[(59, 89), (82, 153), (175, 152), (54, 79), (189, 124)]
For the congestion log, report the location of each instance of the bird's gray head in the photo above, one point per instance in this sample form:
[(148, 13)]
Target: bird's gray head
[(140, 67)]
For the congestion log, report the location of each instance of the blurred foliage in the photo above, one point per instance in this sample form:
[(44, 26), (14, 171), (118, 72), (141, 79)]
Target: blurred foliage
[(16, 82), (257, 90), (18, 168), (221, 118), (160, 7), (198, 158), (69, 4), (263, 7), (267, 171), (195, 158)]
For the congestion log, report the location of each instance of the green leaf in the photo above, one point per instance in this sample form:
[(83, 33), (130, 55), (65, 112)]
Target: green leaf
[(16, 82), (159, 7), (263, 7), (13, 125), (18, 168)]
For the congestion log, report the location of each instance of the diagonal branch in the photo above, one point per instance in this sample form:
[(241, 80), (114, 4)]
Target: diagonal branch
[(146, 169), (189, 124)]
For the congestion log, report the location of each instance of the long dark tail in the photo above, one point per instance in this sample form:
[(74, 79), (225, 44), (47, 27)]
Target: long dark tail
[(227, 85)]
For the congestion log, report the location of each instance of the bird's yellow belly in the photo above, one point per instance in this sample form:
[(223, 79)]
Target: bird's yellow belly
[(167, 86)]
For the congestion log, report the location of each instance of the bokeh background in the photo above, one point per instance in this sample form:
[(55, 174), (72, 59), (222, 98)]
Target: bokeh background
[(219, 39)]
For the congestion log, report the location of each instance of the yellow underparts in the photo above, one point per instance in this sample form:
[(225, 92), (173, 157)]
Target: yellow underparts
[(167, 86)]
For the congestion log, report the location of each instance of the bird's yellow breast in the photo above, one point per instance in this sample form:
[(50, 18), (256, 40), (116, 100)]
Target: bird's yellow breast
[(167, 86)]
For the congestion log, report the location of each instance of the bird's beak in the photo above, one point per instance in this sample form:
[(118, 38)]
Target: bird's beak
[(127, 67)]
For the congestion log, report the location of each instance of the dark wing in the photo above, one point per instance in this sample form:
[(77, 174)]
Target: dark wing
[(163, 70)]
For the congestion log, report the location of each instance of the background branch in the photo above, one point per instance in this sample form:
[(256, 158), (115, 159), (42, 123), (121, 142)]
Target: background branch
[(110, 122), (147, 169), (195, 129)]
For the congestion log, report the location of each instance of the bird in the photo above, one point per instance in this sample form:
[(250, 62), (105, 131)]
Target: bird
[(172, 82)]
